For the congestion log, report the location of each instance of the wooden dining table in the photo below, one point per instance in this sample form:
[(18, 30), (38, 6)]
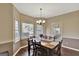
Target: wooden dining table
[(49, 44)]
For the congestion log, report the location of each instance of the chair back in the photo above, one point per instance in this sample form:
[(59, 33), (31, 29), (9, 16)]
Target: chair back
[(37, 48), (30, 43), (59, 48)]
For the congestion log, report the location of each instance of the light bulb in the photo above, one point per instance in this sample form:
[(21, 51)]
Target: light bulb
[(43, 21), (40, 21), (37, 21)]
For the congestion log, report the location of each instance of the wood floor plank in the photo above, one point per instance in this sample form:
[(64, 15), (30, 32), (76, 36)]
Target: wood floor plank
[(64, 52)]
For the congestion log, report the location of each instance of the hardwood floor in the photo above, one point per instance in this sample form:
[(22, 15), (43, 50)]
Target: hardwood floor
[(69, 52), (64, 52)]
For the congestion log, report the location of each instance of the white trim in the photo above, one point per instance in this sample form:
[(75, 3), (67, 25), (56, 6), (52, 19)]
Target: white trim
[(4, 42), (19, 50), (71, 48), (71, 37)]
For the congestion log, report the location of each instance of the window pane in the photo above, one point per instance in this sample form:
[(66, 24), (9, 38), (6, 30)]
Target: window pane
[(27, 30), (17, 32), (39, 30)]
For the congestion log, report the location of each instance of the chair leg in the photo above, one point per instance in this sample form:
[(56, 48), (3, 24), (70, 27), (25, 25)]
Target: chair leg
[(59, 54), (28, 51)]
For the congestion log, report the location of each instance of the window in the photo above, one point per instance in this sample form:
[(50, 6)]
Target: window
[(56, 32), (55, 29), (39, 30), (27, 30), (17, 31)]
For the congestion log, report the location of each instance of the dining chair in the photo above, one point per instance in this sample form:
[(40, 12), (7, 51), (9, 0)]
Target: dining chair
[(36, 48), (57, 49), (28, 47), (40, 50), (30, 44)]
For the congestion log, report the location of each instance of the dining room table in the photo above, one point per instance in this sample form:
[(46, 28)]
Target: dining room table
[(50, 45), (47, 44)]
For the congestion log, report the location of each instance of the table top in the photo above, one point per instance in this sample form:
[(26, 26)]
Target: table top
[(48, 44)]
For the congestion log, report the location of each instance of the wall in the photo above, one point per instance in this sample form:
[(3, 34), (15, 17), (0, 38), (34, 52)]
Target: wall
[(8, 15), (16, 16), (69, 24), (7, 47), (6, 27)]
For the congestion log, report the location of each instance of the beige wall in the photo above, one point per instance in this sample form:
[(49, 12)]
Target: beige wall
[(7, 47), (69, 24), (6, 18), (26, 18), (6, 26)]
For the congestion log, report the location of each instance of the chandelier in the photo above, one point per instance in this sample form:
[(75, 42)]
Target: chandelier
[(41, 20)]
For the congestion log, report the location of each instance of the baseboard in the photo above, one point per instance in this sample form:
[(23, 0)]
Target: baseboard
[(19, 50), (71, 48)]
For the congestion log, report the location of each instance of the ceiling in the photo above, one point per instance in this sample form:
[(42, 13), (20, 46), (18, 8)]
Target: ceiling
[(49, 9)]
